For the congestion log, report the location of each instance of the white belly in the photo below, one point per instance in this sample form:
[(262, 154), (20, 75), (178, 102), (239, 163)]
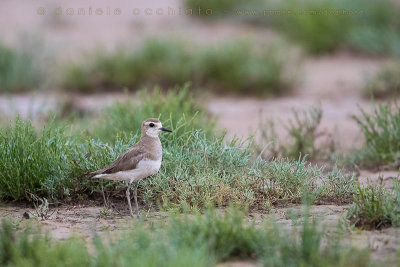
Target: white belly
[(149, 167), (144, 168)]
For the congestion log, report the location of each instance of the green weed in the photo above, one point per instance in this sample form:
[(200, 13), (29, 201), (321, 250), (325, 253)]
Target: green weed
[(217, 9), (156, 62), (321, 26), (30, 248), (200, 240), (374, 31), (124, 118), (385, 83), (199, 166), (375, 207), (235, 67), (324, 26), (261, 70), (381, 131), (17, 70), (198, 170), (34, 162), (303, 132), (316, 32)]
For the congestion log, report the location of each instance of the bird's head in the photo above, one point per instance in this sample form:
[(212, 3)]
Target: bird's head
[(152, 127)]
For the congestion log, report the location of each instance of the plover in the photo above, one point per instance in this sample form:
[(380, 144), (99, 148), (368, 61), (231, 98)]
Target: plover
[(141, 161)]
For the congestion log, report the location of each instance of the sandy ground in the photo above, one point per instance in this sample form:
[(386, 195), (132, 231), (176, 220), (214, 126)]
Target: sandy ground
[(86, 221)]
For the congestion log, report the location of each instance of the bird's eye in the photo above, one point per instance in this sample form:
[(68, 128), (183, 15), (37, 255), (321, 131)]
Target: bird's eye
[(151, 124)]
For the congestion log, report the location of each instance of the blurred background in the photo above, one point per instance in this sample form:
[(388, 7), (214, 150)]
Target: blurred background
[(251, 65)]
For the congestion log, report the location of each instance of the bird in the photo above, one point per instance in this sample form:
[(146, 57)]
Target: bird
[(140, 161)]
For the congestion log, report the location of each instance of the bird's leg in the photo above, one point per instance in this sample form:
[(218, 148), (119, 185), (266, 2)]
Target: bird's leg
[(128, 196), (104, 196), (135, 196)]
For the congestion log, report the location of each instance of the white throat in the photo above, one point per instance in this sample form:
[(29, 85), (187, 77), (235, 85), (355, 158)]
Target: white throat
[(152, 133)]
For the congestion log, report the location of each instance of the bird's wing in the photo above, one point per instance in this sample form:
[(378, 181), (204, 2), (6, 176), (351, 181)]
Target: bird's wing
[(126, 161)]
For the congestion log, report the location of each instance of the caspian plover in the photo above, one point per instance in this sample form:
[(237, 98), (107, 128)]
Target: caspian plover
[(141, 161)]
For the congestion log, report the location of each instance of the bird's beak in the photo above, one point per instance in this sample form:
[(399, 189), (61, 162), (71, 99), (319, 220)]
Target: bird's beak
[(165, 130)]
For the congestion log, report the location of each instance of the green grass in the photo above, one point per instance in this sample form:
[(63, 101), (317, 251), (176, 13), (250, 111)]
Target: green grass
[(198, 170), (218, 9), (156, 62), (303, 134), (375, 207), (18, 71), (200, 240), (385, 83), (381, 130), (35, 162), (123, 118), (239, 67), (320, 25), (199, 166), (49, 162), (317, 33), (375, 32)]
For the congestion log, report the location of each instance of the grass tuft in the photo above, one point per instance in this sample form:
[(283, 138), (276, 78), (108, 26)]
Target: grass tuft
[(321, 26), (318, 33), (304, 135), (200, 240), (33, 162), (375, 207), (218, 9), (177, 106), (386, 83), (381, 131), (199, 166), (17, 70), (238, 67)]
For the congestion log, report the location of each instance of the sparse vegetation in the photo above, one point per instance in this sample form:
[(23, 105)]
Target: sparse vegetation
[(18, 71), (123, 118), (218, 7), (322, 26), (202, 240), (375, 207), (33, 162), (316, 32), (381, 130), (303, 133), (374, 31), (222, 8), (198, 168), (386, 83), (235, 67)]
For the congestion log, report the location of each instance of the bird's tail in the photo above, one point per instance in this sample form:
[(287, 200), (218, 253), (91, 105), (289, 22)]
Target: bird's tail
[(92, 174), (112, 176)]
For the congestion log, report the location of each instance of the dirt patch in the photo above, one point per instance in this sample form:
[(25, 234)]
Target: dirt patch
[(386, 178), (86, 221)]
